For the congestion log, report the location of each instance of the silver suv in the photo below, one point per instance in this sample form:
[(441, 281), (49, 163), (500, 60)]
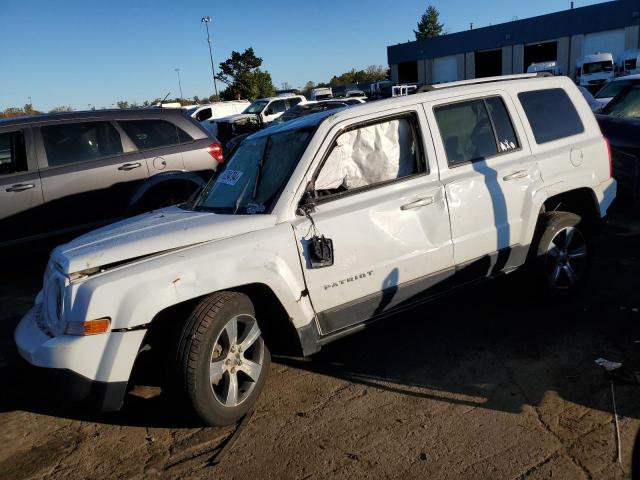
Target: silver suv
[(65, 172)]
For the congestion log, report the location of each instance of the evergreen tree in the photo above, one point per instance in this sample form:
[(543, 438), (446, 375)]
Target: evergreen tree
[(428, 26)]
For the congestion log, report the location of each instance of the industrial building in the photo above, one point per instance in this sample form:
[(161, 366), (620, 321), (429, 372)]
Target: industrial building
[(511, 47)]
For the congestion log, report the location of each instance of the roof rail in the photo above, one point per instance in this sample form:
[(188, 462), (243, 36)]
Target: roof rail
[(478, 81)]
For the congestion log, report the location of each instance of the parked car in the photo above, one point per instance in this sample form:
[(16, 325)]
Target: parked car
[(614, 87), (206, 114), (541, 67), (620, 124), (318, 226), (593, 103), (71, 171), (403, 90), (593, 71), (255, 116)]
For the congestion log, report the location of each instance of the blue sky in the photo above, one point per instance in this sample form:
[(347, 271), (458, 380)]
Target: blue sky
[(71, 52)]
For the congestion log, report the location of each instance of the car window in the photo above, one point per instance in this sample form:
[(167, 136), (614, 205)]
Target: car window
[(147, 134), (203, 114), (627, 105), (78, 142), (507, 139), (551, 114), (293, 102), (13, 155), (466, 131), (277, 106), (613, 88), (370, 155)]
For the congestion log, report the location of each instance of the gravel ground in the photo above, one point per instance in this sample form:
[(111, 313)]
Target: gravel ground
[(489, 383)]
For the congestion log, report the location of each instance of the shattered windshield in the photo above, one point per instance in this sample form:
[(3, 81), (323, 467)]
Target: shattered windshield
[(256, 107), (252, 179)]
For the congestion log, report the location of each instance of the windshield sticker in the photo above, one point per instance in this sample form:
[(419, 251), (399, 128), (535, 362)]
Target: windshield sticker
[(253, 208), (230, 177)]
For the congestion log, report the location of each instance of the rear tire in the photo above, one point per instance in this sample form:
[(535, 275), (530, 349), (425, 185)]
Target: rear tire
[(563, 253), (223, 359)]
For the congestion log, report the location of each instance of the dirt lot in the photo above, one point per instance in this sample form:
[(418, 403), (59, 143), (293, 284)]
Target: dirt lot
[(491, 383)]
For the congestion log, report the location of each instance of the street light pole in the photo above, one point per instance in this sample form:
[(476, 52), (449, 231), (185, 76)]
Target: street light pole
[(177, 70), (206, 21)]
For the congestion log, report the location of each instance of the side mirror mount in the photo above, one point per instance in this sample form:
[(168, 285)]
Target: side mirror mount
[(308, 201)]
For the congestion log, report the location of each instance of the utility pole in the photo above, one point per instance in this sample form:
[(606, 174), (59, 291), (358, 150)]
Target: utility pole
[(206, 21), (177, 70)]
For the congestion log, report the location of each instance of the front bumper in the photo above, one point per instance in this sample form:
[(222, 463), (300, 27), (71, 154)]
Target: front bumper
[(95, 368)]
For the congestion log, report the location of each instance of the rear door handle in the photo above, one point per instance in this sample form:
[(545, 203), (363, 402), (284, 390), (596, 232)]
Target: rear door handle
[(516, 175), (20, 187), (129, 166), (423, 202)]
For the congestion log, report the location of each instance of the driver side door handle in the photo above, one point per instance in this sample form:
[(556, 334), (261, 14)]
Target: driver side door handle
[(423, 202), (516, 175), (20, 187)]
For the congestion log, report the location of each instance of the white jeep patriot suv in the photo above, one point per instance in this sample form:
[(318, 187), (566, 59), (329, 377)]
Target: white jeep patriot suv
[(317, 226)]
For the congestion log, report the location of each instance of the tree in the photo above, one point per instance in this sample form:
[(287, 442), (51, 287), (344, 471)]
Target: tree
[(242, 75), (428, 26), (306, 90), (28, 109), (122, 104)]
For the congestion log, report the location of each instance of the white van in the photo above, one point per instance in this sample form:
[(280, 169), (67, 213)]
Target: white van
[(321, 93), (593, 71), (545, 67), (629, 62)]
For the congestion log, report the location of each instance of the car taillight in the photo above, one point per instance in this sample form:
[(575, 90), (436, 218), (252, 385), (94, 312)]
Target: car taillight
[(610, 158), (215, 150)]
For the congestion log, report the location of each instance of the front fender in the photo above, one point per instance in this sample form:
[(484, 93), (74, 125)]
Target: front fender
[(134, 294)]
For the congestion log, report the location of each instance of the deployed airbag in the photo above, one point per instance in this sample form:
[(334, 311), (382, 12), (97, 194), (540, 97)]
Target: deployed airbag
[(369, 155)]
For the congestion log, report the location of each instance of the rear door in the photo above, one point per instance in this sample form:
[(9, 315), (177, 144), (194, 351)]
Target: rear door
[(159, 140), (87, 174), (20, 186), (489, 175)]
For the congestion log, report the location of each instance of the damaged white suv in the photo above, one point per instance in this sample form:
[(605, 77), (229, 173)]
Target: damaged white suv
[(316, 227)]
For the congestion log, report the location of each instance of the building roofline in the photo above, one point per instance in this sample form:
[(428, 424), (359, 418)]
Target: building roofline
[(592, 18)]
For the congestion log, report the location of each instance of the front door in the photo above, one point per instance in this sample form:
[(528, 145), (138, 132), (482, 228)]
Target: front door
[(490, 179), (382, 206)]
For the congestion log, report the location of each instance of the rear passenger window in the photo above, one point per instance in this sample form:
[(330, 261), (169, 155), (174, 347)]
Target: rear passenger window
[(467, 129), (370, 155), (278, 106), (505, 134), (78, 142), (13, 156), (148, 134), (293, 102), (551, 114)]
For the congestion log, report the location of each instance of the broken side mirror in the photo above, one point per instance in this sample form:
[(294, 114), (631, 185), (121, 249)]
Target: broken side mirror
[(320, 252), (307, 202)]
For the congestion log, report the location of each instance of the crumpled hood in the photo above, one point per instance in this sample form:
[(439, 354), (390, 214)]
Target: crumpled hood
[(150, 233)]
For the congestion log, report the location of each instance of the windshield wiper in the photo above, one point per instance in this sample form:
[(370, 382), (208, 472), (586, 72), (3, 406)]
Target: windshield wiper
[(260, 166)]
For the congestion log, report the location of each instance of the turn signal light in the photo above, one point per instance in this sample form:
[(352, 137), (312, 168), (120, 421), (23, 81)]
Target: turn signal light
[(90, 327), (215, 150)]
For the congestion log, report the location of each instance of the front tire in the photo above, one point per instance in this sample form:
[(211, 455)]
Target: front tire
[(564, 253), (223, 358)]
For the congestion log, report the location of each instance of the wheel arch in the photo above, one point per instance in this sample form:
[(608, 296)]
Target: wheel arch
[(165, 178)]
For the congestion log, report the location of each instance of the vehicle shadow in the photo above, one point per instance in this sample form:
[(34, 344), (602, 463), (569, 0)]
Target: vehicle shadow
[(497, 346)]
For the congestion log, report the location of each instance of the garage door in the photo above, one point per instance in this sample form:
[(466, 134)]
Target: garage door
[(611, 41), (445, 69)]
